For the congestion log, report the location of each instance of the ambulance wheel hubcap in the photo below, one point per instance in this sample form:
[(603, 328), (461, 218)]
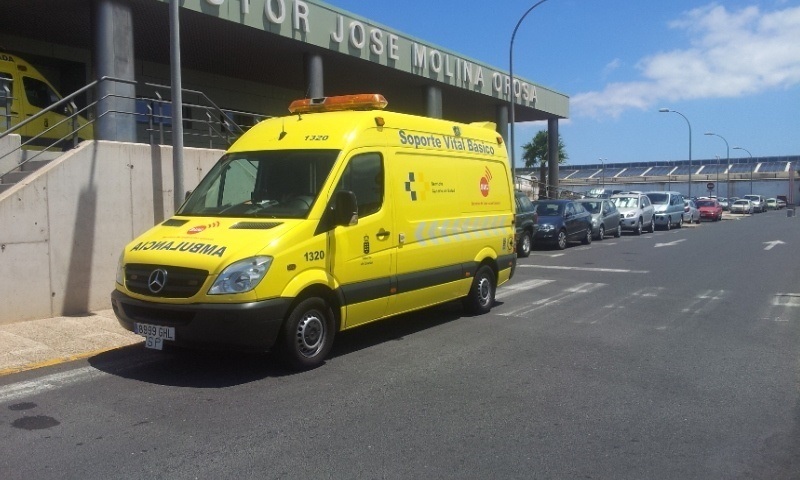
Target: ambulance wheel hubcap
[(484, 291), (310, 334)]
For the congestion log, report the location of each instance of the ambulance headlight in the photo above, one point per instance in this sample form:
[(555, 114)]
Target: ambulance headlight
[(241, 276)]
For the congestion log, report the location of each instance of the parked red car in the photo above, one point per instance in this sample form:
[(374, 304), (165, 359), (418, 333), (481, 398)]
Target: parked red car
[(710, 209)]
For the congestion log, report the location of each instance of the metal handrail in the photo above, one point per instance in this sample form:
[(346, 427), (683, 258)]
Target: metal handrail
[(225, 128)]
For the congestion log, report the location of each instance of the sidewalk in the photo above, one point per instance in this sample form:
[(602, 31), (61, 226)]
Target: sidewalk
[(49, 341)]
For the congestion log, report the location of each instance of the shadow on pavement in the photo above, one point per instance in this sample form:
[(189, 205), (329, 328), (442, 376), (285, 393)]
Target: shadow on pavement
[(194, 368)]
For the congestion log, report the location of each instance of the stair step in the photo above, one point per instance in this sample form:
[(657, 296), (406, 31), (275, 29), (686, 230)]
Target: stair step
[(5, 186), (34, 165), (14, 177)]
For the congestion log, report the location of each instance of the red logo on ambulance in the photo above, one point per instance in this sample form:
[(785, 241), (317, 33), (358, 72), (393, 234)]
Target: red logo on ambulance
[(196, 229), (485, 182)]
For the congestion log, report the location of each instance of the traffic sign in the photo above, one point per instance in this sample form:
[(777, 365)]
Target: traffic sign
[(710, 185)]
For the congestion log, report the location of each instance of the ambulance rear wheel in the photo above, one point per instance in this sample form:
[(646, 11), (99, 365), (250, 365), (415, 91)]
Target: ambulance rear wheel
[(307, 335), (481, 294)]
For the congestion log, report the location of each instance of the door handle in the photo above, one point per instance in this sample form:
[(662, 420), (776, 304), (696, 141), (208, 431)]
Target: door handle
[(382, 234)]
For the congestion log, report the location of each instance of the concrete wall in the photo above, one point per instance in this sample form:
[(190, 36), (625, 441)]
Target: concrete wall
[(63, 227), (9, 153)]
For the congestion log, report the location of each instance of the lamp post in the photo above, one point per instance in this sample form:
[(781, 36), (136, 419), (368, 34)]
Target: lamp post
[(603, 170), (728, 160), (665, 110), (752, 167), (511, 97)]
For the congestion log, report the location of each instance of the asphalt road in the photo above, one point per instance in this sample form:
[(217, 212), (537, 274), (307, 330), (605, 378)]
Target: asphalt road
[(672, 355)]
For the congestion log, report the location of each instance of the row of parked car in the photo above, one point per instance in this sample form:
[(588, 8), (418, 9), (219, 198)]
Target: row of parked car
[(558, 222)]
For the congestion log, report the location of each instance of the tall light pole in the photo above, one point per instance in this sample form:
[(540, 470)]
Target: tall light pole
[(665, 110), (728, 162), (511, 96), (752, 167), (603, 163)]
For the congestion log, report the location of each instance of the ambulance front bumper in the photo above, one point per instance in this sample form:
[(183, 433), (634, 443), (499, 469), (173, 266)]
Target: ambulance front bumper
[(248, 326)]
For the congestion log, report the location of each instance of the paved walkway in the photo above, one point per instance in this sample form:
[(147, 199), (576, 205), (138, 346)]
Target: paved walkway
[(49, 341)]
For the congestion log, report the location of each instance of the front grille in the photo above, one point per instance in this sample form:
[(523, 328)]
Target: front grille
[(181, 282)]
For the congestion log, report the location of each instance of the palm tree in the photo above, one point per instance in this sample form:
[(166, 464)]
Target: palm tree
[(535, 154)]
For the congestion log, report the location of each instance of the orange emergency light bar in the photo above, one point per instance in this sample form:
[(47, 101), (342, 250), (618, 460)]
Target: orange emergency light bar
[(363, 101)]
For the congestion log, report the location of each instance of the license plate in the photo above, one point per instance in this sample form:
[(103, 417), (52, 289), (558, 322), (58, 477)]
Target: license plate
[(154, 335)]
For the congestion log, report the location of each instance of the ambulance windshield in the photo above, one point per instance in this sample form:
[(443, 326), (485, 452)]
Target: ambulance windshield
[(271, 184)]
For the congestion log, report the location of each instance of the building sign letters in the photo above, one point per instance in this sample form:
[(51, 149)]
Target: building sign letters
[(362, 37)]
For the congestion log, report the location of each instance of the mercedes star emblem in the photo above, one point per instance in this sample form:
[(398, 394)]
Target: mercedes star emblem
[(157, 280)]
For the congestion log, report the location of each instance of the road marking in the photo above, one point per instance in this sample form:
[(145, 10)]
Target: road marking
[(529, 308), (771, 244), (669, 244), (786, 300), (585, 269), (47, 383), (508, 290)]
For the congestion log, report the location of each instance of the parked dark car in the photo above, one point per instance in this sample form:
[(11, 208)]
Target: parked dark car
[(526, 219), (605, 217), (562, 221)]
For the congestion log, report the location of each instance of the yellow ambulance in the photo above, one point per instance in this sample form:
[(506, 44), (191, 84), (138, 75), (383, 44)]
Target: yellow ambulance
[(24, 93), (335, 216)]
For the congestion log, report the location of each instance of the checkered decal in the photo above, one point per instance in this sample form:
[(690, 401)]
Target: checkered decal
[(416, 186)]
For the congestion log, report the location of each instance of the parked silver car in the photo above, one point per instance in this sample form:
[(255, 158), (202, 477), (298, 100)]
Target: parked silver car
[(636, 211), (759, 202), (605, 217), (691, 213), (742, 206), (669, 207)]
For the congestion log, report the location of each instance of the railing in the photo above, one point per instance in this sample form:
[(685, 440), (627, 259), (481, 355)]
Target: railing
[(210, 125)]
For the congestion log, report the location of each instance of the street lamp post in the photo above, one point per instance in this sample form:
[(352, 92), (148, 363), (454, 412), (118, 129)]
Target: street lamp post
[(752, 167), (511, 97), (603, 170), (728, 164), (665, 110)]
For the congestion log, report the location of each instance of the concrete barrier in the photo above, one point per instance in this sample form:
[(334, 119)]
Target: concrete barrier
[(63, 227)]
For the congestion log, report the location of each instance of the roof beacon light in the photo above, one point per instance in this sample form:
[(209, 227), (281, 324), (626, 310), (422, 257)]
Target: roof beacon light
[(364, 101)]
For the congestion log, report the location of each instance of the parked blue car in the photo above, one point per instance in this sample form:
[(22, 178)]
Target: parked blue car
[(562, 221)]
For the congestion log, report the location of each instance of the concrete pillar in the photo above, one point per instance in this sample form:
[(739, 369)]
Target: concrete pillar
[(552, 157), (433, 101), (113, 57), (315, 86)]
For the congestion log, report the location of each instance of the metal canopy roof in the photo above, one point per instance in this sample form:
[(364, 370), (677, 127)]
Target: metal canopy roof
[(210, 44)]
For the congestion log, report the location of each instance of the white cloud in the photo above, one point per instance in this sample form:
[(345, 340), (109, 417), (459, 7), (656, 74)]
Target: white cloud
[(731, 54)]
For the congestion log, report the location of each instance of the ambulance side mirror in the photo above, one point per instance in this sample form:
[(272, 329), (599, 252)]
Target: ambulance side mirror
[(345, 208)]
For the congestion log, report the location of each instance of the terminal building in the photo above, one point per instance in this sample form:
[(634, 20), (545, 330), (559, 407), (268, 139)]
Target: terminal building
[(252, 57), (240, 61)]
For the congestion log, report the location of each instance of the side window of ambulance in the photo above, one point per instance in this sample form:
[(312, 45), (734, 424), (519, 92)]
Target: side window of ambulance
[(364, 177), (39, 94)]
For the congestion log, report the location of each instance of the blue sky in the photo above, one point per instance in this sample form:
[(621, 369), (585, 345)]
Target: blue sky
[(732, 68)]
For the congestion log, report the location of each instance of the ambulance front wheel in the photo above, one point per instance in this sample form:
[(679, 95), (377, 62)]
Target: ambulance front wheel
[(307, 335), (481, 294)]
